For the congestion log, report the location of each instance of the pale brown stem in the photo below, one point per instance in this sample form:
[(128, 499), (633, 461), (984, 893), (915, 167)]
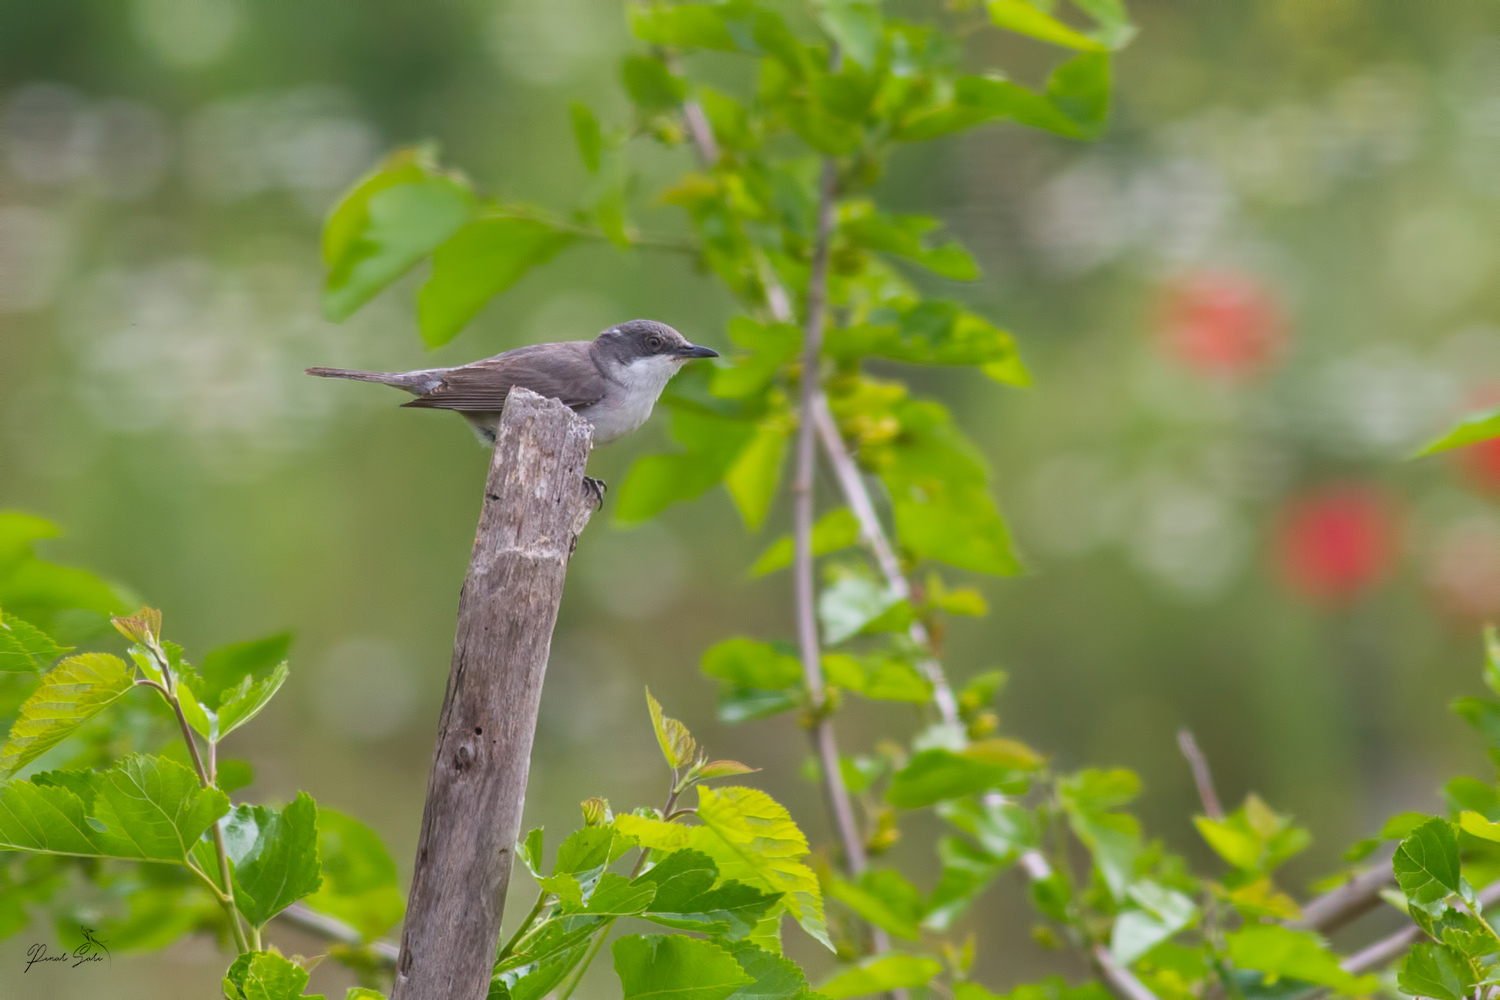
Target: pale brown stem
[(804, 584), (1202, 776)]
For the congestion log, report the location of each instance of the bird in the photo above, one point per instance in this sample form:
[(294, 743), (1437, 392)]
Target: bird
[(612, 381)]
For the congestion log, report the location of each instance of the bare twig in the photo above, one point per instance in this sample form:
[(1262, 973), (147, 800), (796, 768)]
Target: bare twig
[(857, 496), (1350, 901), (333, 929), (1202, 776), (1388, 949), (1122, 981), (802, 518), (1382, 952)]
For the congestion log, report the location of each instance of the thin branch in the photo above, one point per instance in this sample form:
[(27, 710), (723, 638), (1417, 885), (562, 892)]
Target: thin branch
[(1202, 776), (857, 496), (1122, 981), (1388, 949), (1347, 903), (332, 929), (805, 585), (226, 897)]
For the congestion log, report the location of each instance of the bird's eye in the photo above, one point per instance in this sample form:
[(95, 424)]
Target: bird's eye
[(653, 342)]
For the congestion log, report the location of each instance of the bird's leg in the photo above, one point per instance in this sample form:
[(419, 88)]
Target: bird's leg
[(597, 488)]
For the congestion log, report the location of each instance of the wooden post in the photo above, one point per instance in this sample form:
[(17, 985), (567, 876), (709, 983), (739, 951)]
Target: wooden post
[(535, 505)]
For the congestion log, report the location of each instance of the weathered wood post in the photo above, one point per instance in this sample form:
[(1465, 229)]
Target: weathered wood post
[(535, 505)]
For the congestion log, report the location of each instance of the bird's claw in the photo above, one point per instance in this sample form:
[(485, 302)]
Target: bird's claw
[(597, 487)]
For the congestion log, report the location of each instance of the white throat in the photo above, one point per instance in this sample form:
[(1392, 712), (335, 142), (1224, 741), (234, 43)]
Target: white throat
[(630, 401)]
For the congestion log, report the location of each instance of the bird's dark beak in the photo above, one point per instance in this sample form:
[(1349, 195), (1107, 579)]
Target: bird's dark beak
[(694, 351)]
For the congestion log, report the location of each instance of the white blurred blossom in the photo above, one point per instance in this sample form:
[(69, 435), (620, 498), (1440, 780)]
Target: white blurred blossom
[(1189, 538), (212, 355), (52, 135), (309, 142), (1381, 401), (34, 245)]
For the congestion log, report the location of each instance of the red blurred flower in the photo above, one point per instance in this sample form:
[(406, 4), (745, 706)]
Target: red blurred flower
[(1336, 541), (1221, 323), (1481, 465)]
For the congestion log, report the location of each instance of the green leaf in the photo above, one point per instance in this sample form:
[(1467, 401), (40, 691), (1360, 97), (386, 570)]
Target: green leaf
[(738, 704), (656, 481), (359, 884), (617, 896), (677, 744), (227, 667), (275, 856), (25, 647), (1115, 29), (770, 346), (1426, 864), (70, 694), (967, 870), (752, 479), (144, 808), (530, 852), (838, 529), (478, 262), (878, 975), (650, 84), (1075, 104), (1253, 838), (905, 236), (1483, 716), (588, 134), (938, 486), (689, 25), (937, 773), (774, 977), (932, 333), (1158, 914), (385, 226), (1476, 825), (265, 975), (675, 966), (1024, 18), (1279, 952), (850, 604), (753, 839), (1472, 429), (1113, 838), (18, 533), (1431, 970), (880, 677), (1492, 659), (855, 25), (750, 664), (244, 702), (883, 898), (687, 898)]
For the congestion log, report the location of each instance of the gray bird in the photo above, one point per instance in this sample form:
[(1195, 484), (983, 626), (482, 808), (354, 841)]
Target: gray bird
[(612, 381)]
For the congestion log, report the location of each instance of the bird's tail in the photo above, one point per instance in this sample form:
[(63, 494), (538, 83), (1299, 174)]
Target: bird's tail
[(389, 378)]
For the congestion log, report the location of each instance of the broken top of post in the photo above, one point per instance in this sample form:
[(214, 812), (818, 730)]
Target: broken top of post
[(535, 506)]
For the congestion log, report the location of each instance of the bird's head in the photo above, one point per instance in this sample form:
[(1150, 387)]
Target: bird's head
[(648, 340)]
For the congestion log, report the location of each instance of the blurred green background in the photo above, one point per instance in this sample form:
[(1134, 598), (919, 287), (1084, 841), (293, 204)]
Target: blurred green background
[(1242, 309)]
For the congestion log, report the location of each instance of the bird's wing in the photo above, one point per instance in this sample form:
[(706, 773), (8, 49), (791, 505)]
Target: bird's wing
[(564, 371)]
